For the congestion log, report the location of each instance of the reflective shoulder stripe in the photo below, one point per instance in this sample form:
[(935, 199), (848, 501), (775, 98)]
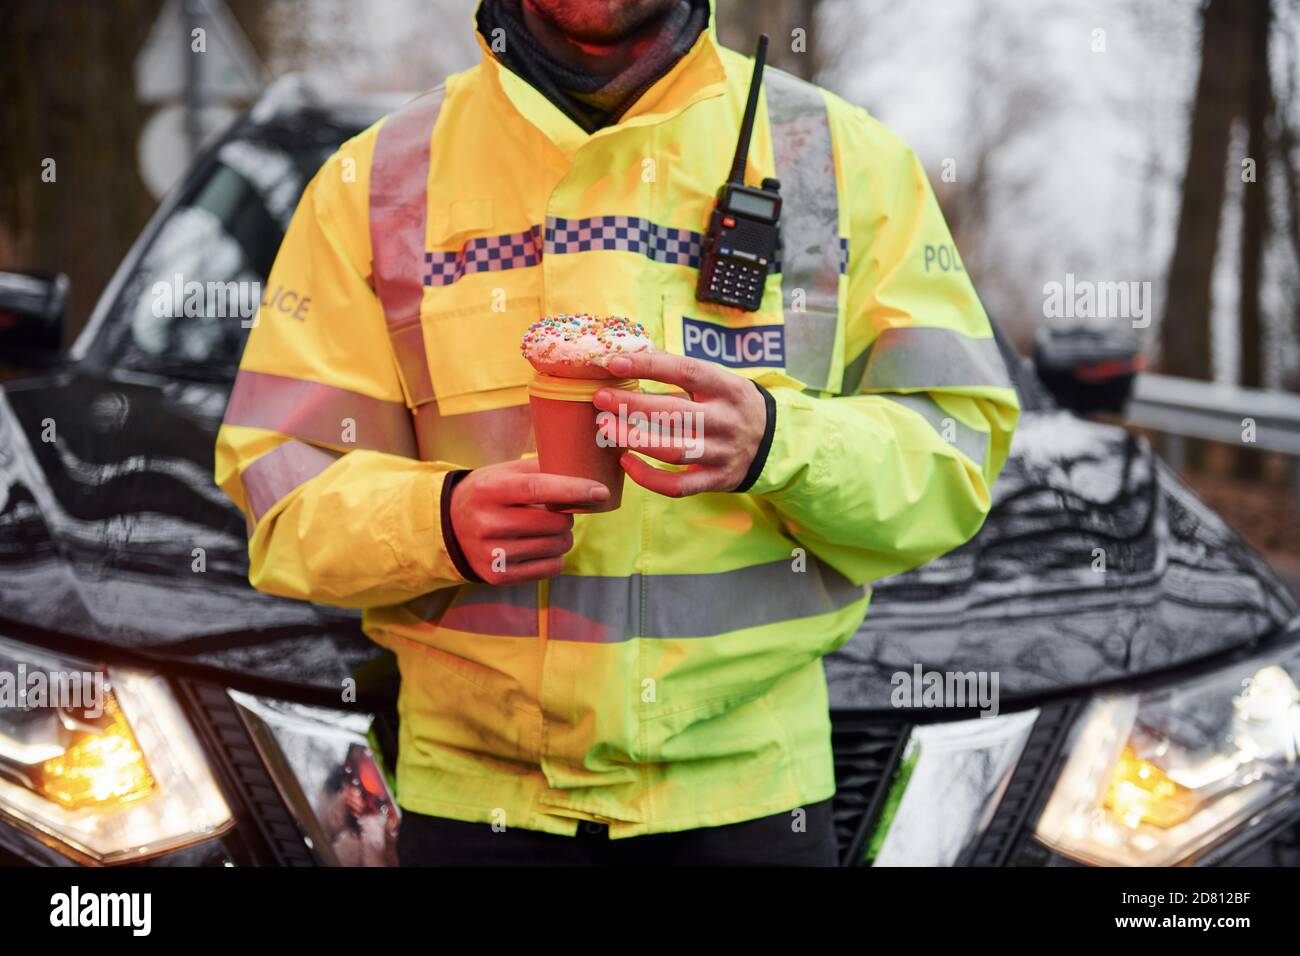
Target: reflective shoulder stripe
[(474, 439), (399, 178), (810, 224), (928, 357), (971, 442), (269, 478), (319, 413)]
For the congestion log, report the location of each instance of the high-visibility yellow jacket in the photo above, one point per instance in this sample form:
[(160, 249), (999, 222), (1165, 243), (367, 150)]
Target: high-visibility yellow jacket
[(671, 678)]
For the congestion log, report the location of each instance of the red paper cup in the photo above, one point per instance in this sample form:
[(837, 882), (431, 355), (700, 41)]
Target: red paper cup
[(564, 423)]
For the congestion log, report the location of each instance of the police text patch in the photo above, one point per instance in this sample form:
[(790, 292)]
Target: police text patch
[(758, 345)]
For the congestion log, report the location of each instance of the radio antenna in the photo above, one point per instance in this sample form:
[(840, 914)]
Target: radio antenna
[(751, 107)]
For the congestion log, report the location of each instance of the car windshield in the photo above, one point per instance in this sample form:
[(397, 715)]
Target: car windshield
[(187, 304)]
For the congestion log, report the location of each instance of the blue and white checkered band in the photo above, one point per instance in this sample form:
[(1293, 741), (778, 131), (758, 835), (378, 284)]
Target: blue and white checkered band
[(515, 250), (626, 233), (519, 250)]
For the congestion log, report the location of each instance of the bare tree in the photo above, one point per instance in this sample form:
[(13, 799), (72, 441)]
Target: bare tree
[(1255, 225), (1185, 327), (71, 198), (1287, 146), (791, 24)]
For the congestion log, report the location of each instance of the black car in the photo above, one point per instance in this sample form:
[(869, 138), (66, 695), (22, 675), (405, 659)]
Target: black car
[(1105, 675)]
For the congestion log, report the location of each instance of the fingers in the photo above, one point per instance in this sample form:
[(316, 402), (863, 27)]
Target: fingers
[(620, 399), (544, 489), (521, 550), (523, 522), (666, 447), (520, 572), (510, 560), (525, 466), (671, 484), (691, 375), (666, 427)]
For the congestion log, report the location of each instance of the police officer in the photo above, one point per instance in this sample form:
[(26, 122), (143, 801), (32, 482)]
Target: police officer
[(642, 685)]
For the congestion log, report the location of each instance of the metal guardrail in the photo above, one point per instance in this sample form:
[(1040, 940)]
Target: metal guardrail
[(1194, 409), (1187, 408)]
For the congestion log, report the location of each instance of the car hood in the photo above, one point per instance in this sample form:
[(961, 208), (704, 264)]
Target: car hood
[(112, 530), (1096, 563)]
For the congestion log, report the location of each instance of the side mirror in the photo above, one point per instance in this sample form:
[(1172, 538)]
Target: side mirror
[(1087, 370), (31, 318)]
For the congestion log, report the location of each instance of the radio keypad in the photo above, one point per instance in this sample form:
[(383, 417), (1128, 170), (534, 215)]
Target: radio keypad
[(738, 280)]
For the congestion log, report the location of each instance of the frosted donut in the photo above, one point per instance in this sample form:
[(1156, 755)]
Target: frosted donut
[(580, 346)]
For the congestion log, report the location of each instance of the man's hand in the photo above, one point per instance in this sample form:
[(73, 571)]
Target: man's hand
[(726, 413), (501, 507)]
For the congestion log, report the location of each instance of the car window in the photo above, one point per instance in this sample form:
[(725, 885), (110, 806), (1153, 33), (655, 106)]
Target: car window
[(185, 307)]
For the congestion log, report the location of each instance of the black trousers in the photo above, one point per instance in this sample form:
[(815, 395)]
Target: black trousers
[(767, 841)]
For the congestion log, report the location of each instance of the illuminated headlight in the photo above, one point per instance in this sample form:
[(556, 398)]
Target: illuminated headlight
[(1155, 777), (100, 763)]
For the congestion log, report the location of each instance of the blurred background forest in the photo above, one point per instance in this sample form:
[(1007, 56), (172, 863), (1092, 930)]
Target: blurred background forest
[(1115, 140)]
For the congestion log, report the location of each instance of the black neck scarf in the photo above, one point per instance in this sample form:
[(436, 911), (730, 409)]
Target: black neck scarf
[(590, 99)]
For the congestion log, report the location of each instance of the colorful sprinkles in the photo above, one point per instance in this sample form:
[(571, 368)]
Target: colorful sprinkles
[(545, 335)]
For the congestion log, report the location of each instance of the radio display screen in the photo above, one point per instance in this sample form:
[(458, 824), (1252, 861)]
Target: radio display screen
[(751, 205)]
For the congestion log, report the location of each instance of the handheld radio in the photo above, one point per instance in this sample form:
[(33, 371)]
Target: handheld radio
[(738, 249)]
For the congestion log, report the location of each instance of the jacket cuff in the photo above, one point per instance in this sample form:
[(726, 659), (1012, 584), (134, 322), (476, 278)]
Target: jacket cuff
[(801, 444), (449, 483), (764, 445)]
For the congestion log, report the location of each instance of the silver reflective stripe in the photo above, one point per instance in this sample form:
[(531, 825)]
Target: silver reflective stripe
[(609, 610), (810, 224), (474, 439), (928, 357), (399, 203), (269, 478), (971, 442), (509, 611), (612, 609), (320, 413), (852, 381)]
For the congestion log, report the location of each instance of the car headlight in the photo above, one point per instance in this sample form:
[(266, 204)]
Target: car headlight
[(100, 762), (1153, 778)]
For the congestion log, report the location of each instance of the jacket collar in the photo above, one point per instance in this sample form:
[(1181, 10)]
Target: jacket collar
[(697, 76)]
